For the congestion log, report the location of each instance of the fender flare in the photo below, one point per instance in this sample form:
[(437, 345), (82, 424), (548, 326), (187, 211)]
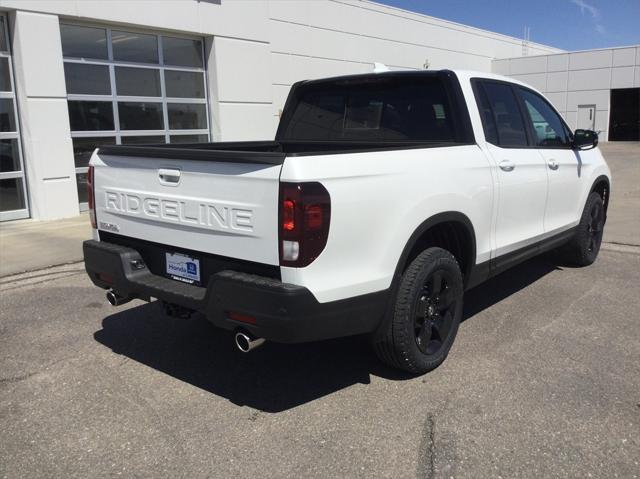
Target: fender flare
[(596, 182), (444, 217)]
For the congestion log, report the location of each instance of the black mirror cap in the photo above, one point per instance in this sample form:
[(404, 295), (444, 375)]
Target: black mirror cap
[(585, 139)]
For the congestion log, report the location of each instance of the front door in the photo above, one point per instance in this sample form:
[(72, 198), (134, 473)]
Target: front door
[(564, 165)]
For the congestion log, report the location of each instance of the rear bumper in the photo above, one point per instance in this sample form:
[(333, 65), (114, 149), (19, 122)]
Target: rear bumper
[(283, 312)]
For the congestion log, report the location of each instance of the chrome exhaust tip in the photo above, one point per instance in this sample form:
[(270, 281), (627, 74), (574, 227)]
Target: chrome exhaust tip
[(246, 343), (115, 299)]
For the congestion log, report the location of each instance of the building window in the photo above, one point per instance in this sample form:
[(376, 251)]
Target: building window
[(129, 88), (13, 188)]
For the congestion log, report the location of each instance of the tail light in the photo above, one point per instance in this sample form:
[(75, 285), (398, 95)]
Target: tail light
[(305, 214), (91, 198)]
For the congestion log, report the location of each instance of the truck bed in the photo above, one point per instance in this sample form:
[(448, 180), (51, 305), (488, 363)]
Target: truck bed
[(261, 152)]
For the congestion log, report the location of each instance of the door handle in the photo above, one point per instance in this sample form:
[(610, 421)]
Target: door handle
[(553, 164), (506, 165), (169, 177)]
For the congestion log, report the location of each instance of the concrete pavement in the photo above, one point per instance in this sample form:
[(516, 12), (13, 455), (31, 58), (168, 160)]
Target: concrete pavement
[(29, 245), (623, 222)]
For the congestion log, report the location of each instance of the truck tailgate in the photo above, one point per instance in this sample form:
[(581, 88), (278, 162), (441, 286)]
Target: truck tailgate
[(226, 206)]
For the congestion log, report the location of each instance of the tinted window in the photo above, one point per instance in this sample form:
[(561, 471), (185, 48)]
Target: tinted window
[(12, 195), (486, 115), (182, 52), (7, 119), (90, 115), (508, 122), (189, 138), (134, 47), (385, 109), (140, 116), (137, 81), (181, 84), (87, 79), (83, 42), (81, 184), (83, 148), (9, 155), (187, 116), (5, 78), (142, 140), (549, 128), (3, 39)]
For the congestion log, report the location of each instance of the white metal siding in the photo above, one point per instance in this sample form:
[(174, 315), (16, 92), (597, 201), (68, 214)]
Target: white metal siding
[(578, 78)]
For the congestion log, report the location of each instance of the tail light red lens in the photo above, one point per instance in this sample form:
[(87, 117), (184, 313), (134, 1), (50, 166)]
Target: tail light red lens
[(313, 217), (91, 198), (305, 214), (288, 215)]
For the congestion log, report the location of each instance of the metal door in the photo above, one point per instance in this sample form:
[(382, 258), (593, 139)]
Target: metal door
[(587, 117)]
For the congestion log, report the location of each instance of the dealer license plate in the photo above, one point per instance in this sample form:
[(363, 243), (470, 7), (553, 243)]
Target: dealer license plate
[(183, 268)]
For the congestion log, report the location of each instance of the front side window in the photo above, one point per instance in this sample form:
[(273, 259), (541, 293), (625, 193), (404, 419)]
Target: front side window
[(501, 117), (547, 124)]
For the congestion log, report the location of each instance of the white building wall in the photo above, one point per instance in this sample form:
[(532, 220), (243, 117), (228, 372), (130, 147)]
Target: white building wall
[(44, 119), (578, 78), (312, 39), (255, 51)]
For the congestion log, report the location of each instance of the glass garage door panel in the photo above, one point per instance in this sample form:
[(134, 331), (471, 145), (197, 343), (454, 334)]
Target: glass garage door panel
[(131, 88), (10, 155), (7, 115), (12, 195), (13, 192)]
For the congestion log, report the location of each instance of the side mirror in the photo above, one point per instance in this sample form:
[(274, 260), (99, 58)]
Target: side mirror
[(585, 139)]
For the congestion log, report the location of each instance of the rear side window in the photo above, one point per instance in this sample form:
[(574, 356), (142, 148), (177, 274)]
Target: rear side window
[(501, 117), (374, 109), (549, 128)]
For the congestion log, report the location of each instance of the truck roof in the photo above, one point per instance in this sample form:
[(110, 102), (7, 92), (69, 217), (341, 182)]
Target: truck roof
[(460, 74)]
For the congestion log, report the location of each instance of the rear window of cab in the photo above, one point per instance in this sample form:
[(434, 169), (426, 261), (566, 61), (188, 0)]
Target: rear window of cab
[(385, 109)]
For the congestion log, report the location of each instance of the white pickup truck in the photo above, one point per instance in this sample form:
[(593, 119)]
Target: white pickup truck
[(382, 199)]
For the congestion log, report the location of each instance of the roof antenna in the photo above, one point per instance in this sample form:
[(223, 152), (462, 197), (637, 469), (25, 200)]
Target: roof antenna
[(380, 67), (525, 41)]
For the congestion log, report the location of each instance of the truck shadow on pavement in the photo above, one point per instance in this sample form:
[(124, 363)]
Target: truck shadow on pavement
[(274, 377)]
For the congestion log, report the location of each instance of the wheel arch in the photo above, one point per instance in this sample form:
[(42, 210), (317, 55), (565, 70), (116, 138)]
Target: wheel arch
[(602, 186), (451, 230)]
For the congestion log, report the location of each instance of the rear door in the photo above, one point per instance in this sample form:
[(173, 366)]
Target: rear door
[(227, 208), (553, 142), (520, 170)]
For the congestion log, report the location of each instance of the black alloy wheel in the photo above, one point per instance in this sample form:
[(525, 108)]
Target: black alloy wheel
[(434, 311), (427, 309), (595, 226), (582, 249)]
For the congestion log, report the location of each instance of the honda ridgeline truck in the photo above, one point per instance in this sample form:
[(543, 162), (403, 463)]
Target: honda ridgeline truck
[(382, 199)]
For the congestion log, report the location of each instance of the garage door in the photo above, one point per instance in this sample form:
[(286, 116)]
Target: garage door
[(624, 119), (131, 87), (13, 188)]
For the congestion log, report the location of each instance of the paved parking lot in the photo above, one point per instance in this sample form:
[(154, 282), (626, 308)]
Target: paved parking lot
[(543, 381)]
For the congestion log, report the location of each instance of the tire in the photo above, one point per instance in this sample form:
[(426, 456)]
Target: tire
[(425, 316), (583, 248)]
